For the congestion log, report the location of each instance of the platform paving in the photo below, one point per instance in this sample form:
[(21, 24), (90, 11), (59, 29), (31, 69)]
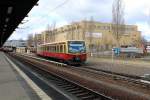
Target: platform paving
[(10, 87)]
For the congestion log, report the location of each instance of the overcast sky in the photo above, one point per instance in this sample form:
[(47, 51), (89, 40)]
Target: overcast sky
[(63, 12)]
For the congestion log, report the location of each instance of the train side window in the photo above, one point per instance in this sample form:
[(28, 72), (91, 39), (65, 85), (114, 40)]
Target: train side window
[(45, 48), (50, 48), (55, 48), (64, 48), (61, 48), (39, 49)]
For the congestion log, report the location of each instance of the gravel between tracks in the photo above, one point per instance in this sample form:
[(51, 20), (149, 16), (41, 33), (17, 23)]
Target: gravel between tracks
[(97, 82), (133, 67)]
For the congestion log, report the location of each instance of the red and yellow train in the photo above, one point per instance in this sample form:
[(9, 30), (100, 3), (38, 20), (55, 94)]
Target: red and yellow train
[(70, 52)]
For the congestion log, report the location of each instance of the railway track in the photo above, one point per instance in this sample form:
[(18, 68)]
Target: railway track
[(77, 92), (119, 76), (114, 76)]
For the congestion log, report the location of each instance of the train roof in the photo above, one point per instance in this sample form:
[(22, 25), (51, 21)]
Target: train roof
[(59, 42)]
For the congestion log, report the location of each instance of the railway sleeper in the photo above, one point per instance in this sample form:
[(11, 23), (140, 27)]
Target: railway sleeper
[(60, 81), (57, 81), (77, 92), (64, 85), (73, 89), (88, 97), (49, 76), (53, 79), (83, 94)]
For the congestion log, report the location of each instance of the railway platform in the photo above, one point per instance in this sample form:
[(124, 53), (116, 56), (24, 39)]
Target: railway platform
[(12, 85)]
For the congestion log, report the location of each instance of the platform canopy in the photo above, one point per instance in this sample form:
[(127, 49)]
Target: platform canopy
[(12, 12)]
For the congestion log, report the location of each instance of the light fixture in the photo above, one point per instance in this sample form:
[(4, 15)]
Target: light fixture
[(24, 21), (7, 19), (36, 4), (9, 11), (5, 25)]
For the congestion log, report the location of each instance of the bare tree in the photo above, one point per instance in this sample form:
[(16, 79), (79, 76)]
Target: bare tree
[(118, 26), (30, 40), (84, 29), (90, 33), (35, 41), (144, 41), (72, 30), (54, 31), (48, 31), (51, 32)]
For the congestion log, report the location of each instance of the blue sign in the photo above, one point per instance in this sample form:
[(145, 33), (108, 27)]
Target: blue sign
[(116, 51)]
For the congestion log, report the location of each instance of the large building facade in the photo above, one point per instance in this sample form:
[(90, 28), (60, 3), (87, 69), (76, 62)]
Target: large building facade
[(96, 34), (15, 43)]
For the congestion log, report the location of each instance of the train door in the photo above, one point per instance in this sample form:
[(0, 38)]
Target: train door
[(57, 48), (61, 48), (64, 48), (66, 44)]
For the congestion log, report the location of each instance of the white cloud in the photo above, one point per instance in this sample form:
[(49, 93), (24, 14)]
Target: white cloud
[(48, 12), (145, 29)]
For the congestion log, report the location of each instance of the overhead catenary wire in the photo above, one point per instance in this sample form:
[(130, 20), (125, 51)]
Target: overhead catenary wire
[(52, 10), (59, 6)]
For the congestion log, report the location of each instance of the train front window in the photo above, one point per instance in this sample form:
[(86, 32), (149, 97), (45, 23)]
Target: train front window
[(76, 47)]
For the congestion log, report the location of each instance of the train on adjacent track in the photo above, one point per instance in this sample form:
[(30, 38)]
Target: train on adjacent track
[(70, 51)]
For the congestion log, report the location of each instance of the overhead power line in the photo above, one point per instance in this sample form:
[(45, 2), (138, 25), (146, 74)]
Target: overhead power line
[(59, 6)]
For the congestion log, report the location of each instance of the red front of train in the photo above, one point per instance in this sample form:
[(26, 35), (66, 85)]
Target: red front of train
[(72, 52)]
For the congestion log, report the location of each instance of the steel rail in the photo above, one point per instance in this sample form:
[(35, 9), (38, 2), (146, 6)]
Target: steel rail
[(114, 75), (81, 92)]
